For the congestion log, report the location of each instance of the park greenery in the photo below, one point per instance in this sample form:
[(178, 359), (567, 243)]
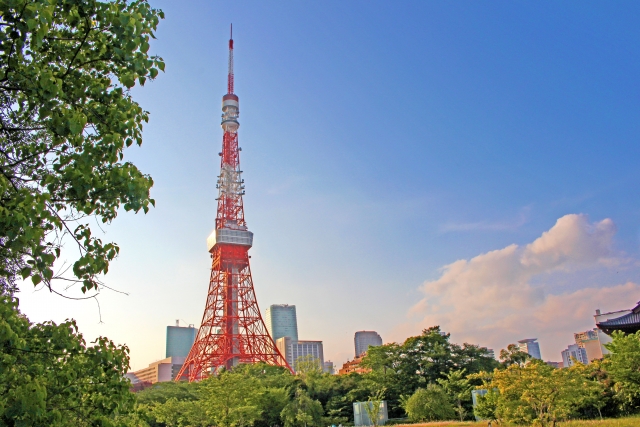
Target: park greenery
[(426, 378), (66, 118)]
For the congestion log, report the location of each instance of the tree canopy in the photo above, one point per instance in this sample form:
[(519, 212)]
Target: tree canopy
[(421, 360), (623, 364), (66, 116), (50, 377)]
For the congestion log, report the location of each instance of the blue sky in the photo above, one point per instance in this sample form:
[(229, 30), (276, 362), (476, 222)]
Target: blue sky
[(382, 142)]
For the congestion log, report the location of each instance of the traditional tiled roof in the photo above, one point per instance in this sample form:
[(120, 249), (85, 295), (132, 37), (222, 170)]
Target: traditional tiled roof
[(623, 322)]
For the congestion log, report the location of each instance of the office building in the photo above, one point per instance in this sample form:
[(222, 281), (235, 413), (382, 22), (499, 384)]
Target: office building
[(160, 371), (572, 354), (491, 353), (293, 350), (281, 321), (590, 341), (179, 340), (530, 346), (365, 339)]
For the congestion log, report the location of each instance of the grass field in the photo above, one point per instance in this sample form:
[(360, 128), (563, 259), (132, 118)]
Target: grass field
[(618, 422)]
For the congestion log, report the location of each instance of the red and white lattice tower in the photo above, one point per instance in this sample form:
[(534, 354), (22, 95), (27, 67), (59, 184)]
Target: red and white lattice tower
[(232, 330)]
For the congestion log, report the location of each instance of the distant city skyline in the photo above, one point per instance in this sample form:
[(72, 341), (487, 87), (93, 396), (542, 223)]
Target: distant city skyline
[(468, 165)]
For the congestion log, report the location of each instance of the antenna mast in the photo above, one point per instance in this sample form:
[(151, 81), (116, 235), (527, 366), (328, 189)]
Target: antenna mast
[(230, 75)]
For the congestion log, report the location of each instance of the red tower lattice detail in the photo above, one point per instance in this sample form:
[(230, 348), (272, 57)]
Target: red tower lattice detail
[(232, 330)]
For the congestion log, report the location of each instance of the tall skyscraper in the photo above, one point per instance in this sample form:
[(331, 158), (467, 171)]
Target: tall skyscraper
[(365, 339), (530, 346), (281, 321), (295, 349), (179, 340)]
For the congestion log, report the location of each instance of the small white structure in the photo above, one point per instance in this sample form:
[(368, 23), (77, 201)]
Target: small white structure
[(361, 418)]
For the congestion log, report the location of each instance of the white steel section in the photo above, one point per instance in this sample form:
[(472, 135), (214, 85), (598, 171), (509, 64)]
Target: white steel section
[(230, 182), (230, 115), (231, 237), (230, 103)]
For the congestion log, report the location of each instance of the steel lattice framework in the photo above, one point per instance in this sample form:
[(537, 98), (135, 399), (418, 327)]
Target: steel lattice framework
[(232, 330)]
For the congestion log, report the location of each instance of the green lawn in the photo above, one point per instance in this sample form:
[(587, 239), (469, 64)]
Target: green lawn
[(618, 422)]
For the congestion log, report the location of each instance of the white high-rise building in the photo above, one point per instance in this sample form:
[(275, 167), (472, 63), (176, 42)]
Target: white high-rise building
[(281, 321), (574, 351), (293, 350), (530, 346), (365, 339)]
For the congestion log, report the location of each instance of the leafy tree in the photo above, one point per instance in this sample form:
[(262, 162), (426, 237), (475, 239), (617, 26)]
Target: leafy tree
[(308, 366), (373, 407), (487, 406), (512, 355), (421, 360), (538, 393), (598, 394), (273, 384), (337, 393), (50, 377), (459, 390), (161, 392), (429, 404), (181, 413), (271, 402), (623, 364), (249, 394), (66, 116), (302, 411), (229, 399)]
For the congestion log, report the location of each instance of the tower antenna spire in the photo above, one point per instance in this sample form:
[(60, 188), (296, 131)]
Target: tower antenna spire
[(230, 75)]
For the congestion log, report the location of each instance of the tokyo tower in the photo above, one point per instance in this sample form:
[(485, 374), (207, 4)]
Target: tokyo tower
[(232, 330)]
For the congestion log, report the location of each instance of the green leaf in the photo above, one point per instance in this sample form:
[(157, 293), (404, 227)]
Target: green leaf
[(25, 272)]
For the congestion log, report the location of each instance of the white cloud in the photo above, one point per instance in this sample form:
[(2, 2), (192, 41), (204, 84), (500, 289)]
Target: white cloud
[(508, 294)]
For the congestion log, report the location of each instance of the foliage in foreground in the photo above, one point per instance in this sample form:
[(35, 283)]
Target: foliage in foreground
[(535, 393), (66, 116), (50, 377)]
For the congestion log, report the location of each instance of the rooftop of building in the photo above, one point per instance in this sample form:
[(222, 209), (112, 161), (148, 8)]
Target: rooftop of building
[(627, 323)]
